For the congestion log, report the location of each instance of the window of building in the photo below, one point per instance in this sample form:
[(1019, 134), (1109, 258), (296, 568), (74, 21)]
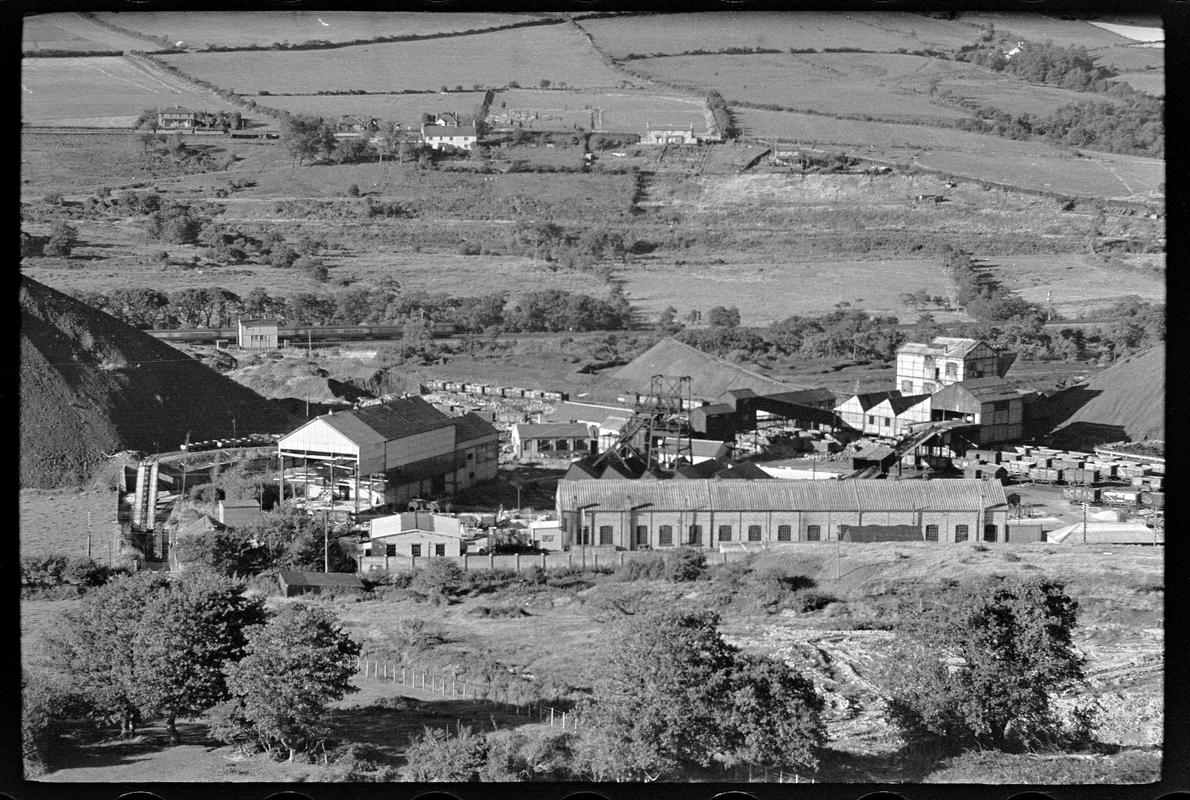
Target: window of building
[(887, 421), (665, 535), (784, 533), (813, 533), (927, 387), (989, 533), (725, 533), (605, 534), (390, 549), (470, 456), (547, 538), (952, 369), (562, 444), (754, 533), (415, 550), (960, 533), (642, 534), (471, 475), (931, 533), (907, 387), (695, 534), (439, 549), (580, 444)]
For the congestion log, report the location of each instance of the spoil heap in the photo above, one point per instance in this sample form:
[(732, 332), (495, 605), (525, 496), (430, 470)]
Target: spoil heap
[(92, 385), (1124, 402)]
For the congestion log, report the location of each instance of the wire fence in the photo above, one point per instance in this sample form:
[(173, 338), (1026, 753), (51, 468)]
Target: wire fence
[(453, 687)]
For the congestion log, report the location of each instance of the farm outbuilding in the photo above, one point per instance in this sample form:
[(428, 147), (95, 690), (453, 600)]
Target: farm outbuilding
[(720, 513), (293, 583), (668, 134), (415, 448), (436, 137), (238, 513)]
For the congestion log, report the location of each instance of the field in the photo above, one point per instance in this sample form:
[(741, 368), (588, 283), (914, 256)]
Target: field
[(766, 292), (1030, 165), (818, 30), (1078, 287), (556, 53), (1135, 32), (102, 92), (841, 648), (618, 112), (403, 108), (70, 31), (55, 522), (247, 28), (1148, 82)]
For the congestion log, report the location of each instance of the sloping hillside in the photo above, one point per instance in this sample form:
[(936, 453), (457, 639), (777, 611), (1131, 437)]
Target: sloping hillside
[(92, 385), (1125, 401), (710, 377)]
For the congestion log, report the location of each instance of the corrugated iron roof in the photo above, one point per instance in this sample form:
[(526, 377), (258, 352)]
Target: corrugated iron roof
[(988, 390), (803, 396), (553, 430), (871, 399), (944, 346), (337, 579), (471, 426), (569, 411), (901, 404), (850, 495)]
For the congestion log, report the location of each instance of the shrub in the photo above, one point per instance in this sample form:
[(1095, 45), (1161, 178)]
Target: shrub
[(353, 190), (684, 564), (439, 577), (360, 763), (650, 567), (813, 601), (63, 238), (436, 756)]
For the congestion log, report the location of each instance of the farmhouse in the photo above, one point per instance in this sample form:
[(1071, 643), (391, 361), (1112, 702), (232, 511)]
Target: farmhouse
[(444, 134), (415, 534), (177, 118), (351, 126), (553, 439), (991, 403), (416, 449), (924, 368), (635, 515), (257, 334), (668, 134)]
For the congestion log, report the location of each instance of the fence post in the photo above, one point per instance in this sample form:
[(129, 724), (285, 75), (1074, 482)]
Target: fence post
[(596, 560), (543, 560), (384, 668), (551, 716), (491, 560), (563, 720), (518, 562), (621, 558), (412, 562), (723, 553), (402, 676)]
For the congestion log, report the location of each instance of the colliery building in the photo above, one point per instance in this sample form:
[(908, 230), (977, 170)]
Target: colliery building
[(414, 447), (926, 368), (636, 515)]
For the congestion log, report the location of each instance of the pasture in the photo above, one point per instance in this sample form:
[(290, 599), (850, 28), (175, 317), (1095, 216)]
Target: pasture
[(106, 92), (403, 108), (614, 112), (891, 86), (1148, 82), (802, 30), (768, 291), (54, 522), (1078, 286), (1027, 164), (71, 31), (1042, 28), (260, 28), (556, 53)]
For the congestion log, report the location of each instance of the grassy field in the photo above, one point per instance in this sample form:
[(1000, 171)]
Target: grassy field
[(819, 30), (618, 112), (556, 53), (102, 92), (71, 31), (1030, 165), (1148, 82), (1077, 286), (403, 108), (246, 28), (55, 522)]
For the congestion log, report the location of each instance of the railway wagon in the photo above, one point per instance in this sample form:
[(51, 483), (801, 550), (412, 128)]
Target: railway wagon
[(1067, 463), (1045, 475), (986, 456), (1153, 499), (473, 388), (1133, 471), (1121, 497), (452, 386), (1081, 476), (1019, 469), (554, 397), (514, 392), (1081, 494), (494, 391)]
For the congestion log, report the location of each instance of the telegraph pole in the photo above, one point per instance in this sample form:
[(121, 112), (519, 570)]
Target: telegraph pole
[(1084, 523), (326, 543)]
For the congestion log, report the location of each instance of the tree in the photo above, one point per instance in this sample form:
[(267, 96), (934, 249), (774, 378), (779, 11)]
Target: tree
[(294, 665), (312, 268), (141, 308), (675, 693), (95, 645), (668, 321), (437, 756), (282, 255), (189, 633), (982, 669), (63, 238), (720, 317), (306, 136)]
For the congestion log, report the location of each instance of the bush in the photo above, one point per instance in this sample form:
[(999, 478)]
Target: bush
[(651, 567), (60, 576), (353, 190), (439, 577), (63, 238), (684, 564), (813, 601), (360, 763)]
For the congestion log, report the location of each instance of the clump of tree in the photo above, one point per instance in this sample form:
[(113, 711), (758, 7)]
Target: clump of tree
[(145, 646), (63, 239), (306, 137), (177, 223), (57, 576), (983, 670), (981, 295), (675, 695), (292, 668)]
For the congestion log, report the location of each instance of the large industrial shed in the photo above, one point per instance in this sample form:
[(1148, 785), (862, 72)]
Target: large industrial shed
[(991, 403), (417, 449), (633, 515)]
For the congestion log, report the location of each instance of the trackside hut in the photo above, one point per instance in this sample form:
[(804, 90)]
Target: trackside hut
[(633, 515)]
